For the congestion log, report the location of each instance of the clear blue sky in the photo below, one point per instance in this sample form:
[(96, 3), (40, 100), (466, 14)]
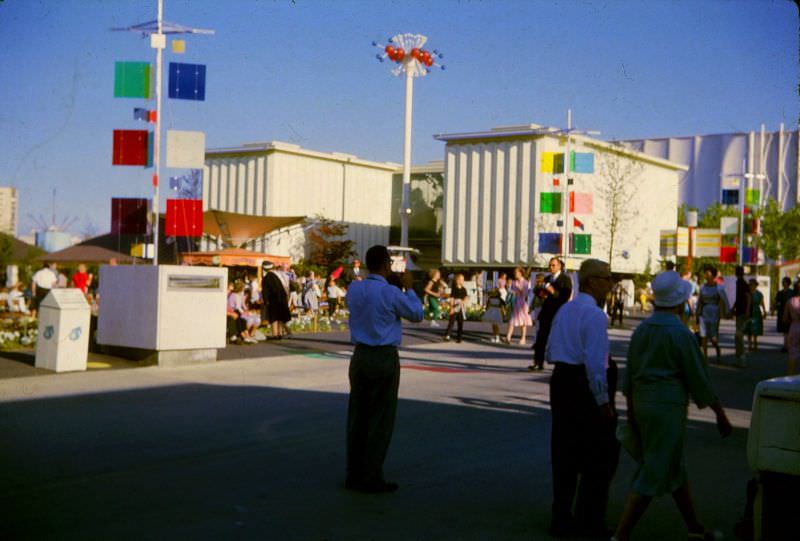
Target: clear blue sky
[(305, 72)]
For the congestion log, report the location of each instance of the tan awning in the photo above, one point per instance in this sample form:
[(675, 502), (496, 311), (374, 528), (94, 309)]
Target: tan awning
[(237, 229)]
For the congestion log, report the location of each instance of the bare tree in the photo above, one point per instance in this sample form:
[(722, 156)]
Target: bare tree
[(620, 181)]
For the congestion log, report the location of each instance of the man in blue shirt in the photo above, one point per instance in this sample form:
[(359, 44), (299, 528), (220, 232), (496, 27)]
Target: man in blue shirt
[(376, 305)]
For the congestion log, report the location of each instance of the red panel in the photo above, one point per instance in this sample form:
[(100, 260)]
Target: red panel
[(184, 218), (727, 254), (130, 147), (129, 216)]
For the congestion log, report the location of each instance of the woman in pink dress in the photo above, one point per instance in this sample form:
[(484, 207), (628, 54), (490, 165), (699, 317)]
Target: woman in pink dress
[(520, 316), (791, 315)]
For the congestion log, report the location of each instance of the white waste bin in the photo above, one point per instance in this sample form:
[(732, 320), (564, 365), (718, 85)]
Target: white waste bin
[(62, 344), (773, 452)]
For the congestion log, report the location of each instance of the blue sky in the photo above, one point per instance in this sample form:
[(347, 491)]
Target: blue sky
[(305, 72)]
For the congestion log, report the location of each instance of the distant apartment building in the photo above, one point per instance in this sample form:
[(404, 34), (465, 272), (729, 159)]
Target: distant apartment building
[(8, 210)]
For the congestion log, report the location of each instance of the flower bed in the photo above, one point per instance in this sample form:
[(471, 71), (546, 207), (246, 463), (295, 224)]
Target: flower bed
[(304, 323), (17, 333)]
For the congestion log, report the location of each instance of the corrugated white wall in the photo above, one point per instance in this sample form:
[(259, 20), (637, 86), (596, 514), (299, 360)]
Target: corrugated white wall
[(286, 184), (492, 215)]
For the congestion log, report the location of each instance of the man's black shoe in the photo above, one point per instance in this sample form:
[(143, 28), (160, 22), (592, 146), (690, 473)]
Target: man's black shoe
[(562, 529), (370, 488), (381, 487)]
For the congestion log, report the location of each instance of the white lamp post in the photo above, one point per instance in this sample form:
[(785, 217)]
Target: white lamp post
[(413, 61)]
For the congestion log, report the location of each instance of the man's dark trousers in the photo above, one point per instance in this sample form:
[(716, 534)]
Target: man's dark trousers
[(374, 382), (582, 444)]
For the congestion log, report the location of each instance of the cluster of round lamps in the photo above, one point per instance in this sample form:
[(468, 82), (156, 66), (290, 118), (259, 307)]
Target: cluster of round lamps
[(399, 55)]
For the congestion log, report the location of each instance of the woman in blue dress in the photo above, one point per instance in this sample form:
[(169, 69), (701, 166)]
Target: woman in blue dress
[(665, 368)]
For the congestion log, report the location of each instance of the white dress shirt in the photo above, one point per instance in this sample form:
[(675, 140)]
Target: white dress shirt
[(579, 335)]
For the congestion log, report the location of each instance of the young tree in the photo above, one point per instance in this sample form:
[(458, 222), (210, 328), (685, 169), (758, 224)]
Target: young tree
[(780, 231), (621, 181), (327, 245)]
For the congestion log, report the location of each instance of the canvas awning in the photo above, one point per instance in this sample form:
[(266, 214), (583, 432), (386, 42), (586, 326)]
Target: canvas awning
[(236, 229), (232, 257), (87, 254)]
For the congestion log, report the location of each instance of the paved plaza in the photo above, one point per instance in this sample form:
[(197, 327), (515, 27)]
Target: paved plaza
[(252, 447)]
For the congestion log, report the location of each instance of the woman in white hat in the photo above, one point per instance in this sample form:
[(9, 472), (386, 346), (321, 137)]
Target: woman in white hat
[(665, 368)]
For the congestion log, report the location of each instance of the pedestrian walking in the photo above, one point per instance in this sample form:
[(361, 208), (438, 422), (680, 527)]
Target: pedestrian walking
[(558, 289), (741, 310), (519, 307), (582, 392), (791, 315), (781, 299), (493, 313), (755, 327), (665, 368), (275, 288), (434, 292), (712, 302), (42, 282), (334, 293), (458, 308), (375, 311)]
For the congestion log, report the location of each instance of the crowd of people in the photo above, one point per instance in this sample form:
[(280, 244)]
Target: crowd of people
[(666, 367), (24, 300), (282, 295)]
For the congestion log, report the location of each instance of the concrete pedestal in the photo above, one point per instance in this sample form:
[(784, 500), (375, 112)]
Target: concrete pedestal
[(167, 315)]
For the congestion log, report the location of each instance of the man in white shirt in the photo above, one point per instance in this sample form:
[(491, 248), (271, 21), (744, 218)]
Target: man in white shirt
[(581, 401), (43, 281)]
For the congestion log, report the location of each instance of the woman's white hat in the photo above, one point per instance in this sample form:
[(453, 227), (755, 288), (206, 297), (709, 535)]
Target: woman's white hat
[(669, 289)]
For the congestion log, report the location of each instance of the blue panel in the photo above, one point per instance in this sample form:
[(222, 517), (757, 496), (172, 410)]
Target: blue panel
[(730, 197), (549, 243), (187, 81), (583, 162)]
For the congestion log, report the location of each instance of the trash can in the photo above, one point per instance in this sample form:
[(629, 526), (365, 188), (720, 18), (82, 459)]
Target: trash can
[(773, 452), (62, 344)]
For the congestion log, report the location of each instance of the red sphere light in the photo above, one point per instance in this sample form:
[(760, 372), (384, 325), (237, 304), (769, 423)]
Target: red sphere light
[(389, 50), (414, 53), (399, 54)]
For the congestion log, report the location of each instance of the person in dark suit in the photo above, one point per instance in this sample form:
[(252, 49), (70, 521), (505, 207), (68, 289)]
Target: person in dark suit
[(557, 291), (353, 273)]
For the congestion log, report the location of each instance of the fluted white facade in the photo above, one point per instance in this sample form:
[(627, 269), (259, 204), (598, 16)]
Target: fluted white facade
[(492, 200), (282, 179)]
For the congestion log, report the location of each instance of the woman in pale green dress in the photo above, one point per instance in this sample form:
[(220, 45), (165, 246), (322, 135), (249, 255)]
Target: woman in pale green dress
[(665, 368)]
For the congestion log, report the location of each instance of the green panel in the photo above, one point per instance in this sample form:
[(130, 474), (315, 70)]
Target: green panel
[(752, 198), (550, 202), (581, 244), (132, 80)]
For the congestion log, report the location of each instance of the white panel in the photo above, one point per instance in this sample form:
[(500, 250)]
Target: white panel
[(241, 185), (523, 202), (186, 149), (448, 231), (498, 184), (484, 202), (206, 187), (250, 200), (461, 202), (260, 181), (510, 206), (473, 200)]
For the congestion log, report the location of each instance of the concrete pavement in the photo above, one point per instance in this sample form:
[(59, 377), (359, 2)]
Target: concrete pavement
[(254, 448)]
